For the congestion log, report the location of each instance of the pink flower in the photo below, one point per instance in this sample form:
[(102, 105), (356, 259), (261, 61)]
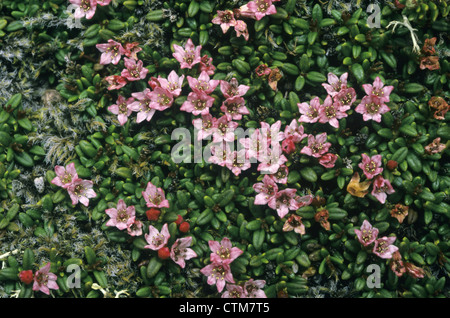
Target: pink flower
[(224, 130), (335, 84), (372, 108), (205, 126), (197, 103), (272, 132), (283, 201), (86, 8), (134, 71), (131, 50), (203, 84), (232, 88), (294, 222), (180, 251), (265, 189), (218, 274), (294, 131), (288, 145), (135, 228), (122, 216), (345, 98), (238, 162), (397, 265), (156, 239), (116, 82), (263, 70), (328, 160), (155, 197), (173, 83), (271, 160), (378, 90), (187, 56), (234, 291), (371, 166), (225, 19), (317, 146), (121, 109), (330, 112), (435, 147), (261, 8), (414, 271), (303, 200), (221, 154), (383, 247), (206, 65), (161, 98), (44, 280), (111, 52), (241, 29), (234, 108), (256, 145), (81, 191), (223, 252), (366, 234), (254, 288), (310, 112), (142, 105), (381, 188), (281, 175), (65, 176)]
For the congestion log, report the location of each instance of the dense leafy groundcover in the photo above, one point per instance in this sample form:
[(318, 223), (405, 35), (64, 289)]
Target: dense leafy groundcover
[(346, 104)]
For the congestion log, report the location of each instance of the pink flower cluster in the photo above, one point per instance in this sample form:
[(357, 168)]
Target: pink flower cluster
[(382, 247), (222, 254), (372, 169), (256, 10), (87, 8), (79, 190)]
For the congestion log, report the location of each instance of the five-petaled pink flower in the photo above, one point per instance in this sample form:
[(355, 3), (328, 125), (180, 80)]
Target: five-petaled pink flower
[(330, 112), (378, 90), (372, 108), (265, 189), (224, 130), (223, 252), (345, 98), (141, 105), (44, 280), (256, 145), (281, 175), (384, 248), (254, 288), (294, 131), (234, 108), (335, 84), (205, 126), (234, 291), (198, 103), (218, 274), (271, 160), (220, 154), (371, 166), (155, 197), (157, 239), (122, 109), (328, 160), (283, 201), (206, 65), (180, 251), (132, 49), (381, 188), (81, 191), (87, 8), (121, 216), (134, 71), (238, 162), (261, 8), (317, 145), (225, 19), (202, 84), (187, 56), (173, 83), (233, 88), (111, 52), (65, 176), (294, 222), (367, 234), (309, 112), (241, 29), (135, 228), (161, 98)]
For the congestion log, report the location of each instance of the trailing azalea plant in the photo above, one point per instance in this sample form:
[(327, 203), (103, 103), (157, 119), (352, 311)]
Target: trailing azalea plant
[(314, 148)]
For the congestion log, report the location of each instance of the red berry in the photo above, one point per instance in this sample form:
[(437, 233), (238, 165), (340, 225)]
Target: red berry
[(184, 227), (392, 164), (26, 277), (153, 214), (164, 252), (179, 220)]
